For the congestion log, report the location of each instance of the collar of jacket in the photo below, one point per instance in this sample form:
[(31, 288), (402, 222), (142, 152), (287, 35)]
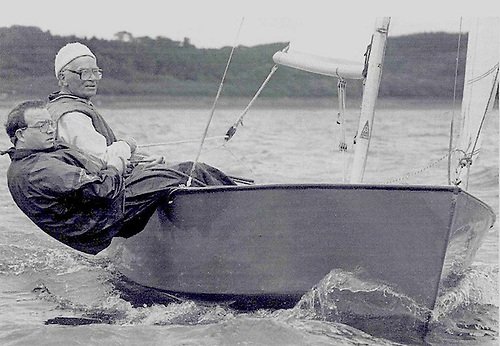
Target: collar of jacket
[(19, 154), (57, 95)]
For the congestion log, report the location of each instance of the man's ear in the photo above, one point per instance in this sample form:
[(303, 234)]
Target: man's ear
[(62, 79), (20, 135)]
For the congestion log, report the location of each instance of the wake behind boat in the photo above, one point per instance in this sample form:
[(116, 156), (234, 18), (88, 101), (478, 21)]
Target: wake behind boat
[(267, 245)]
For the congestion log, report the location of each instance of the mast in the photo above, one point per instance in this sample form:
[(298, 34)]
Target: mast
[(370, 94)]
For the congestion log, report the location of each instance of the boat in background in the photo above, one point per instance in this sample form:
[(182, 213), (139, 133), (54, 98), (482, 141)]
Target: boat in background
[(266, 245)]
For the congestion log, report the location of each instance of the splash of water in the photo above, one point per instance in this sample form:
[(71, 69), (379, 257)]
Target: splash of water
[(373, 307), (468, 309), (477, 285), (342, 292)]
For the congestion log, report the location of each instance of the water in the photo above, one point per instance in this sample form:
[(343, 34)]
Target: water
[(50, 294)]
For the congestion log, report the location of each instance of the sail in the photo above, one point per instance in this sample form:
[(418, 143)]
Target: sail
[(480, 87)]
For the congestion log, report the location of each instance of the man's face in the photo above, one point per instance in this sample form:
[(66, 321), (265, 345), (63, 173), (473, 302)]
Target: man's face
[(74, 84), (40, 132)]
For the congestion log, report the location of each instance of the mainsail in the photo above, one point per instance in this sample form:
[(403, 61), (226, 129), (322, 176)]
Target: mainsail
[(480, 89)]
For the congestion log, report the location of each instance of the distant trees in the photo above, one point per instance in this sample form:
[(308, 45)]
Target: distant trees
[(124, 36), (415, 65)]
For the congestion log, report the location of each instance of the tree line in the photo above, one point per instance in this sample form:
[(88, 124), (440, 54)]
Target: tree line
[(419, 65)]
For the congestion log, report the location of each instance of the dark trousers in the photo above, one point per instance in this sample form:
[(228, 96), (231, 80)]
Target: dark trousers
[(146, 187)]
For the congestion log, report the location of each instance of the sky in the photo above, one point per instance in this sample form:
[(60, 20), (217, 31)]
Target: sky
[(216, 23)]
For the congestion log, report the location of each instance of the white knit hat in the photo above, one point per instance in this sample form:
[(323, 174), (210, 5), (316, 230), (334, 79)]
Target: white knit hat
[(70, 52)]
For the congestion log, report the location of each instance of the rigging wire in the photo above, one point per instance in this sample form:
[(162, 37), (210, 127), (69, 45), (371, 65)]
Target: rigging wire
[(188, 183), (491, 99), (452, 124), (484, 75), (476, 140), (177, 142), (468, 153), (232, 130)]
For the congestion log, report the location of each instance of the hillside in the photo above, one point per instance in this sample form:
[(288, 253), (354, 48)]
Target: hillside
[(415, 66)]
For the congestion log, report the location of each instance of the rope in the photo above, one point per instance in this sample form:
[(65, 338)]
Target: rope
[(236, 158), (484, 75), (341, 86), (452, 124), (232, 130), (419, 171), (177, 142), (188, 183)]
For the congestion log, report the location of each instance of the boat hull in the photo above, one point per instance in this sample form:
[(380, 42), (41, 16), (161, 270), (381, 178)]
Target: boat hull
[(271, 244)]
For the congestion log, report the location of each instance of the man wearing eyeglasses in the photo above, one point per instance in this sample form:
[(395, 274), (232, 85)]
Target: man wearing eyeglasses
[(69, 195), (79, 123), (77, 120), (63, 191)]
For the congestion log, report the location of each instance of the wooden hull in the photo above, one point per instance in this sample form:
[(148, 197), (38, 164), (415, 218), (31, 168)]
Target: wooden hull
[(273, 243)]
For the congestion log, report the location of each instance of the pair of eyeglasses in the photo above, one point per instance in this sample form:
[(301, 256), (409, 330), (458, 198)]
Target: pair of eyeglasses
[(88, 73), (43, 126)]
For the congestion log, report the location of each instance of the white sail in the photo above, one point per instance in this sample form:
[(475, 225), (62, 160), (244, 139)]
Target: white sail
[(480, 88)]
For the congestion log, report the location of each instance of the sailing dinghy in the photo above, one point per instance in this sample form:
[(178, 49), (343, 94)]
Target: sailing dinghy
[(267, 245)]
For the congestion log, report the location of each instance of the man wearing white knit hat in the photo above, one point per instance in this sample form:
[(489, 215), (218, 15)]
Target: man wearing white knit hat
[(78, 121), (70, 52)]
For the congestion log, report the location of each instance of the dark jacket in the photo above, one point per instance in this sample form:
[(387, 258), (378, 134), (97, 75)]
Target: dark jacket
[(68, 196)]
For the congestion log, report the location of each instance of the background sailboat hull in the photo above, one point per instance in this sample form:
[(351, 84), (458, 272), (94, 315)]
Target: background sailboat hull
[(271, 244)]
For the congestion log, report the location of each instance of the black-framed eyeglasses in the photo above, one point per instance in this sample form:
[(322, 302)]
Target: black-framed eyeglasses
[(43, 126), (88, 73)]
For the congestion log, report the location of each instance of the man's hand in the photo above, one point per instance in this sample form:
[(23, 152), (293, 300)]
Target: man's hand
[(131, 143), (147, 161), (155, 160), (118, 163)]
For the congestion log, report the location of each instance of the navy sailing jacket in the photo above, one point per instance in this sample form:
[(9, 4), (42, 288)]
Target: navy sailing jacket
[(68, 196)]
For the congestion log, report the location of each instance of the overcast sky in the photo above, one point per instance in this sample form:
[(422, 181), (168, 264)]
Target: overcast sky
[(215, 23)]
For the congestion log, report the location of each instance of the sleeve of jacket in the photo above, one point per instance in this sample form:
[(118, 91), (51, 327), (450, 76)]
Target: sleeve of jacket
[(76, 129), (59, 178)]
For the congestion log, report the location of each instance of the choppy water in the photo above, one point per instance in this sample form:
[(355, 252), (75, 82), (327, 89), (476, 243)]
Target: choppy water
[(45, 285)]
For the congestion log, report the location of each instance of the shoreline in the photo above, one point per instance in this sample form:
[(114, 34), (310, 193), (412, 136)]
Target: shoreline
[(160, 101)]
